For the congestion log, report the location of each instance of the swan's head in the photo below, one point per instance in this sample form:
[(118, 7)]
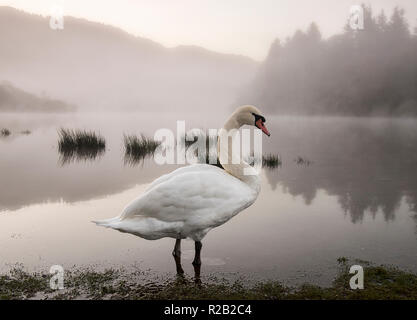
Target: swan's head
[(252, 116)]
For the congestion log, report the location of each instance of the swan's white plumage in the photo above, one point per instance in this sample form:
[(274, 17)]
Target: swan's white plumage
[(190, 201), (187, 202)]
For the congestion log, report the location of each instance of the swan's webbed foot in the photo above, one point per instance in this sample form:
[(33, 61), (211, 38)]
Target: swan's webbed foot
[(180, 270), (197, 270)]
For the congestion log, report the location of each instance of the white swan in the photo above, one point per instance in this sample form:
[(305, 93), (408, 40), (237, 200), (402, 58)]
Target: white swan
[(192, 200)]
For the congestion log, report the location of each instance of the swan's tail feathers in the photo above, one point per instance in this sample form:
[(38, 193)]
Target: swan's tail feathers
[(108, 223), (144, 227)]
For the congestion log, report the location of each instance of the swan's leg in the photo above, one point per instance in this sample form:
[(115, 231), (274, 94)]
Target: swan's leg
[(197, 262), (177, 256), (177, 249), (197, 257), (197, 269)]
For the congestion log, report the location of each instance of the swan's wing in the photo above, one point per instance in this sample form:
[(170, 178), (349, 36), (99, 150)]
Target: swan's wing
[(191, 168), (204, 194)]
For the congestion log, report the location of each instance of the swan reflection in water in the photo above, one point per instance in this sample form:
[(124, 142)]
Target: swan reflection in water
[(192, 200)]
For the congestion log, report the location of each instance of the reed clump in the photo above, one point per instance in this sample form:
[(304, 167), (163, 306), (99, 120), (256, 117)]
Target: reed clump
[(302, 161), (138, 148), (79, 139), (79, 145), (271, 161), (5, 132)]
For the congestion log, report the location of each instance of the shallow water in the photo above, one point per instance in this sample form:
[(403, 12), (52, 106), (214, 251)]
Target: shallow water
[(357, 198)]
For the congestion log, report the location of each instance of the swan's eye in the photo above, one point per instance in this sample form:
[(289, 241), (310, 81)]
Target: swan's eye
[(257, 117), (259, 122)]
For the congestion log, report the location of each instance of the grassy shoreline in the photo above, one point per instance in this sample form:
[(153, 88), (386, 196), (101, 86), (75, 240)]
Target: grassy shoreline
[(380, 282)]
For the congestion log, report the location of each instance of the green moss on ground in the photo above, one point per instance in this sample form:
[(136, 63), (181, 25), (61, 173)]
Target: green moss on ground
[(380, 282)]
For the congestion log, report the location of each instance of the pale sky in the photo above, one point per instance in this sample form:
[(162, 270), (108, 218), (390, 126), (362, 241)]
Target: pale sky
[(245, 27)]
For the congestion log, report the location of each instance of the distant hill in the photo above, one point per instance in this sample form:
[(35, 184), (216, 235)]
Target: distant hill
[(13, 99), (97, 66)]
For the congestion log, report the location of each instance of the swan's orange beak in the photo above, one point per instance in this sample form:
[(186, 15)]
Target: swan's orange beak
[(261, 126)]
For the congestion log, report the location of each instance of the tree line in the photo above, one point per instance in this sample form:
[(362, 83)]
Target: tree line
[(358, 72)]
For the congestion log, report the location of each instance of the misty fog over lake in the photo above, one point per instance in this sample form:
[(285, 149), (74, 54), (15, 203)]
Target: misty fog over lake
[(341, 111), (357, 198)]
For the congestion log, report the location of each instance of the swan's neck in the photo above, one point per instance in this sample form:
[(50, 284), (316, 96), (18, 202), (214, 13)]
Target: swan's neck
[(231, 159)]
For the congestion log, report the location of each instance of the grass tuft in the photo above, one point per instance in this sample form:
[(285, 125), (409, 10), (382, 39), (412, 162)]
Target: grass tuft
[(302, 161), (138, 148), (79, 145), (271, 161), (5, 132)]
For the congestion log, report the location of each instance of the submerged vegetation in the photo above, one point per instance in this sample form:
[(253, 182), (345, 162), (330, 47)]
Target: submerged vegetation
[(271, 161), (5, 132), (302, 161), (80, 139), (75, 145), (138, 148), (380, 282), (79, 145)]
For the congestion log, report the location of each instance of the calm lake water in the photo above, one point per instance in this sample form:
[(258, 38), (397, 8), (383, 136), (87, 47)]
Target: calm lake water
[(357, 198)]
